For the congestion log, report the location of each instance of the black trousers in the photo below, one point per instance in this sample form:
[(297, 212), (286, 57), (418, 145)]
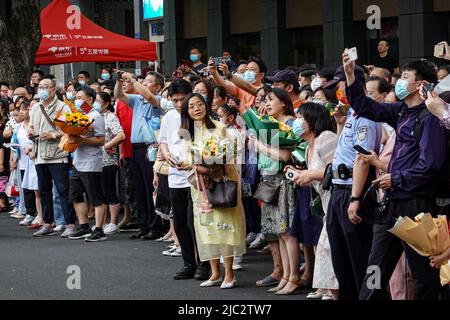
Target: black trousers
[(59, 174), (350, 245), (142, 171), (29, 199), (127, 193), (387, 249), (183, 220), (252, 212)]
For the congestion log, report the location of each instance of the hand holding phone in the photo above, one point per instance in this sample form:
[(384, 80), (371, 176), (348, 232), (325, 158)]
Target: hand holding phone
[(291, 174), (353, 54), (427, 87), (217, 60), (362, 150)]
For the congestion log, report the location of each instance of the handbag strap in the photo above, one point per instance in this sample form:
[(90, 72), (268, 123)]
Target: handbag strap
[(46, 116), (201, 185)]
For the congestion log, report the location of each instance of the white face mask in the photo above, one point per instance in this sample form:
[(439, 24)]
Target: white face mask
[(163, 103), (316, 83)]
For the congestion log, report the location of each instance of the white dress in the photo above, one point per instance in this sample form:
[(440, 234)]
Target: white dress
[(322, 154), (30, 179)]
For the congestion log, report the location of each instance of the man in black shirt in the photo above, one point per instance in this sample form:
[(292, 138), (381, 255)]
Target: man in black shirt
[(384, 60)]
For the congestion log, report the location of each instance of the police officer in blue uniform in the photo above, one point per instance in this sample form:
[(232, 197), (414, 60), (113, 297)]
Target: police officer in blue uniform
[(349, 232)]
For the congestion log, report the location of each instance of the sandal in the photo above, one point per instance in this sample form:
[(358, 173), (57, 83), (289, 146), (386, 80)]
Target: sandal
[(277, 288), (298, 286), (268, 281)]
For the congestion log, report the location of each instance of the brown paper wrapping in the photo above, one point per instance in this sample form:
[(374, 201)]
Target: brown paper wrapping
[(427, 236)]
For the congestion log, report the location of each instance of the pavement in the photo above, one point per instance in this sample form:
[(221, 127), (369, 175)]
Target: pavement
[(119, 268)]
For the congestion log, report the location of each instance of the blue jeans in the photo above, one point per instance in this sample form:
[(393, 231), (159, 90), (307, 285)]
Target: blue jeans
[(57, 174), (57, 209)]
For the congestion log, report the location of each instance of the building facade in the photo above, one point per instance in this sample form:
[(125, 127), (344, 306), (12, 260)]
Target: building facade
[(294, 32)]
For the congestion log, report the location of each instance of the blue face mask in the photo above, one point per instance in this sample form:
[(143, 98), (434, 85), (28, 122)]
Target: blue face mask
[(297, 127), (250, 76), (97, 107), (170, 105), (106, 76), (43, 94), (194, 57), (69, 96), (78, 103), (401, 89)]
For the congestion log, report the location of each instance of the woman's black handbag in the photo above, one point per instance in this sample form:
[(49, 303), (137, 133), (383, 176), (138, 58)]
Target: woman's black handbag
[(268, 192), (315, 205), (223, 194)]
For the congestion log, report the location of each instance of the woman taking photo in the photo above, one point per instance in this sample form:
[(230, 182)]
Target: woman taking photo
[(225, 235), (276, 219), (314, 126)]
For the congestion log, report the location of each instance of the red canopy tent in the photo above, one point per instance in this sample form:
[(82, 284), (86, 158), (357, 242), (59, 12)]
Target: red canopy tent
[(86, 42)]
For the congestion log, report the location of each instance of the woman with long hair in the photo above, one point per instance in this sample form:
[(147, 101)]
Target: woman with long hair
[(224, 234)]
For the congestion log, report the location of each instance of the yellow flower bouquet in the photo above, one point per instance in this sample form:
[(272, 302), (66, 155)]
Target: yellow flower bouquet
[(213, 151), (72, 124)]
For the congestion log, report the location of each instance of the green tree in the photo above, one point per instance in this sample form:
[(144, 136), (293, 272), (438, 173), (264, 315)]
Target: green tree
[(20, 35)]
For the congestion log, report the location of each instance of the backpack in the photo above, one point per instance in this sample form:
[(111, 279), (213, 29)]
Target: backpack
[(442, 186)]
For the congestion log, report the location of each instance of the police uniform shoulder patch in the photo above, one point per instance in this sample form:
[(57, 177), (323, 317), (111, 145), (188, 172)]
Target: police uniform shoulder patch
[(362, 133)]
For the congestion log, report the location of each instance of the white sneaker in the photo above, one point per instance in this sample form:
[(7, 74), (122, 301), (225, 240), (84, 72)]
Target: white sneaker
[(237, 263), (168, 253), (17, 215), (250, 238), (68, 232), (177, 253), (27, 220), (36, 220), (258, 242), (59, 228), (111, 228), (13, 211), (221, 260), (104, 226)]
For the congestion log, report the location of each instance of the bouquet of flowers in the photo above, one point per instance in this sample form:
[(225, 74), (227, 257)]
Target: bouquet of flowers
[(343, 104), (428, 236), (269, 130), (213, 151), (72, 124)]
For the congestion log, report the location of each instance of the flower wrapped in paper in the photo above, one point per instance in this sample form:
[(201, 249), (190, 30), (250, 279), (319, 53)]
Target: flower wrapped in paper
[(285, 137), (269, 130), (427, 236), (214, 151), (72, 124), (261, 125)]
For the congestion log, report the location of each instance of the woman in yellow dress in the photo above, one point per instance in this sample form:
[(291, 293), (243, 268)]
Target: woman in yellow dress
[(224, 234)]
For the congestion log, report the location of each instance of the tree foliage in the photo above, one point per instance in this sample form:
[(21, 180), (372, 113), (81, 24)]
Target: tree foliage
[(20, 35)]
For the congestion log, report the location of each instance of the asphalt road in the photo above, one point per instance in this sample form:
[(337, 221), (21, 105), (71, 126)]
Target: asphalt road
[(119, 268)]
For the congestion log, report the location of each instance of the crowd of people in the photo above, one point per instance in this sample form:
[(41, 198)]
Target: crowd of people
[(376, 143)]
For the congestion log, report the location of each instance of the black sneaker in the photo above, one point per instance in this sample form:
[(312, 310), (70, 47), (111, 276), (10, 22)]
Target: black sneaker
[(96, 236), (130, 227), (80, 234)]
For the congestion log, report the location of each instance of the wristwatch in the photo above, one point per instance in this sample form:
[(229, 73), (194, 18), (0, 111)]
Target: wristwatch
[(54, 135), (353, 199), (229, 76)]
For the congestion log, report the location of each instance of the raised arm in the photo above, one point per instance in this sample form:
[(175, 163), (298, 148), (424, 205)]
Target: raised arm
[(363, 105), (118, 91), (143, 91), (240, 83), (218, 80)]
